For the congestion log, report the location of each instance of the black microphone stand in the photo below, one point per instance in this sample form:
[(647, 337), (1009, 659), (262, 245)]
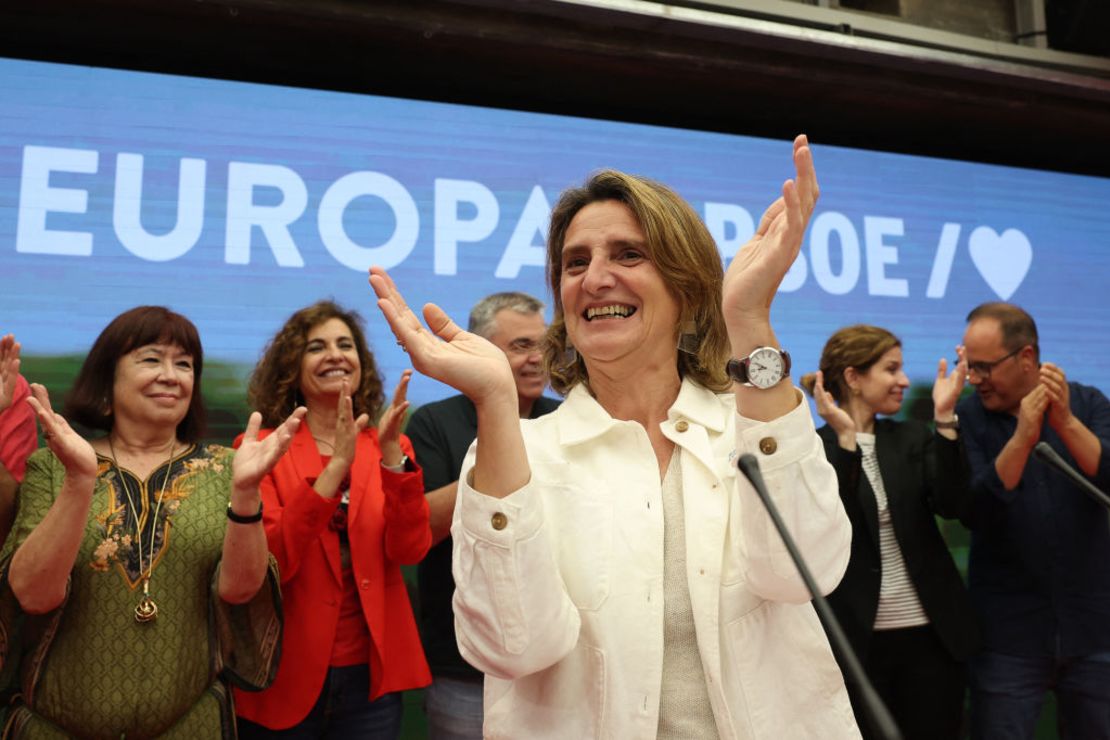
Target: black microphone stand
[(1043, 451), (881, 721)]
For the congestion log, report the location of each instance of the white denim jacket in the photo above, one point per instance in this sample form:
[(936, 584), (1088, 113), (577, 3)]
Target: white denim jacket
[(559, 586)]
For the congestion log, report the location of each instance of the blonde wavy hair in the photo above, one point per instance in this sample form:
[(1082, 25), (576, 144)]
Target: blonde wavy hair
[(683, 252)]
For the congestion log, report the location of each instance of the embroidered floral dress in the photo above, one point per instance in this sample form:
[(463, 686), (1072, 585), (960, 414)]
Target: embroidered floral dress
[(88, 667)]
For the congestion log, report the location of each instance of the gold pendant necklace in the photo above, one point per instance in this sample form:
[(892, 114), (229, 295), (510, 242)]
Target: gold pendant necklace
[(146, 610)]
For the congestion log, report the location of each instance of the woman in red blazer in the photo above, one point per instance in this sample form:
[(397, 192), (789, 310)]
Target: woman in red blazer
[(343, 509)]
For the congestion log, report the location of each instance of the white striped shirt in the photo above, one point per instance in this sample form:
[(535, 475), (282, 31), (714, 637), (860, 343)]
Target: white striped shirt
[(899, 606)]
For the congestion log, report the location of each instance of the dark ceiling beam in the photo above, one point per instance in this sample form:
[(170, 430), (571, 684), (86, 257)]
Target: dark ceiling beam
[(584, 60)]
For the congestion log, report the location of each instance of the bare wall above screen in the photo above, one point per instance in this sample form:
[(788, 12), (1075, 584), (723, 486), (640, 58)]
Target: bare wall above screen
[(842, 76)]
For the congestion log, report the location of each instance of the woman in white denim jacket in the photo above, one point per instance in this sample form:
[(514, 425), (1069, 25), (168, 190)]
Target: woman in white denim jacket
[(615, 577)]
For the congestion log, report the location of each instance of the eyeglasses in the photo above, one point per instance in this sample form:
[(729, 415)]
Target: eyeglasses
[(983, 369), (525, 347)]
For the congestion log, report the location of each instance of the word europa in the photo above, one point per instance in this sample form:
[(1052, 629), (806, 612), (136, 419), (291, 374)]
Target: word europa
[(38, 198), (836, 257)]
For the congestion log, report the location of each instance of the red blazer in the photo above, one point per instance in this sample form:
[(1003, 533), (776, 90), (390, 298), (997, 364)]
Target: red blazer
[(385, 530)]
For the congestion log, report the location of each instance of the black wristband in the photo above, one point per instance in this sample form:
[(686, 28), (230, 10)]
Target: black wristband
[(239, 519)]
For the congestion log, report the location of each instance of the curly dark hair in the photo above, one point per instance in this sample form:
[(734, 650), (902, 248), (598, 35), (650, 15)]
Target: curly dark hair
[(274, 388), (89, 401)]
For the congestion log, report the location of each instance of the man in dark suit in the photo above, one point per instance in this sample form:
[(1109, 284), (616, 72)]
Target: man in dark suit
[(441, 434), (1040, 549)]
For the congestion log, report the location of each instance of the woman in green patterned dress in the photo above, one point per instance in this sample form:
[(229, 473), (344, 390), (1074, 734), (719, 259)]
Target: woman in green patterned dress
[(136, 581)]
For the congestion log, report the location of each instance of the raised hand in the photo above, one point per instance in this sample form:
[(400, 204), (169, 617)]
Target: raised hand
[(837, 418), (347, 428), (73, 450), (255, 458), (1031, 415), (389, 426), (948, 386), (754, 275), (9, 369), (1055, 384), (467, 362)]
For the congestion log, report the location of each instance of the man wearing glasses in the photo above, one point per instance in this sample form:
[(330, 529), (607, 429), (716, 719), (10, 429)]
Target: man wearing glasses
[(441, 434), (1040, 549)]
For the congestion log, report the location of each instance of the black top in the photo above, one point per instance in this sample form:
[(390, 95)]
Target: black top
[(1038, 567), (441, 434), (925, 475)]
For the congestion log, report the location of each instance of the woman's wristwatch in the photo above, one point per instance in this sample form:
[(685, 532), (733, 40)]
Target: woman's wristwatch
[(954, 423), (399, 467), (764, 368)]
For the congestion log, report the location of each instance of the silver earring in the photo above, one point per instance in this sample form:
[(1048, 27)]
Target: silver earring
[(570, 354)]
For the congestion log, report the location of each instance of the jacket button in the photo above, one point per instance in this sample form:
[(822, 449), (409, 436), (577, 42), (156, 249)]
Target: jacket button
[(364, 584), (681, 426), (499, 521), (768, 445)]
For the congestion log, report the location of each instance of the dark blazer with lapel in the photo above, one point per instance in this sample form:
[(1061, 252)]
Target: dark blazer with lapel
[(387, 525), (924, 475)]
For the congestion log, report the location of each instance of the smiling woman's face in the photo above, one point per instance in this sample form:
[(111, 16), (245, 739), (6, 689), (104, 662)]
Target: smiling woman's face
[(884, 384), (615, 303), (330, 357), (153, 386)]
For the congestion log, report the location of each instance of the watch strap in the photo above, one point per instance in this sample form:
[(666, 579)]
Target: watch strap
[(954, 423), (737, 369)]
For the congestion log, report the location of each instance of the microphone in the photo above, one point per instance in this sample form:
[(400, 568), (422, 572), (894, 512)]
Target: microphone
[(881, 720), (1043, 451)]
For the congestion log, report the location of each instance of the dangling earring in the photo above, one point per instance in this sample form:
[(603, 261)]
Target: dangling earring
[(688, 338), (570, 354)]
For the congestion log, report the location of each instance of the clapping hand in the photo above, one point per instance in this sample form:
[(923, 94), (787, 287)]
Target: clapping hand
[(948, 386), (389, 426), (1031, 414), (1056, 386), (837, 418), (443, 351), (347, 428), (758, 268), (255, 458), (75, 453), (9, 370)]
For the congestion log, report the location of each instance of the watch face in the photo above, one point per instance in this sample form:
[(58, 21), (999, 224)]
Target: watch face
[(765, 368)]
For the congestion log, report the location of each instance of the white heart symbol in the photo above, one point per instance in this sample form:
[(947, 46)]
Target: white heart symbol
[(1002, 259)]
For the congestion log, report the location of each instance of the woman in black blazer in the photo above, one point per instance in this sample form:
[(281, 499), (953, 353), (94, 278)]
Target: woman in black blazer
[(901, 601)]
